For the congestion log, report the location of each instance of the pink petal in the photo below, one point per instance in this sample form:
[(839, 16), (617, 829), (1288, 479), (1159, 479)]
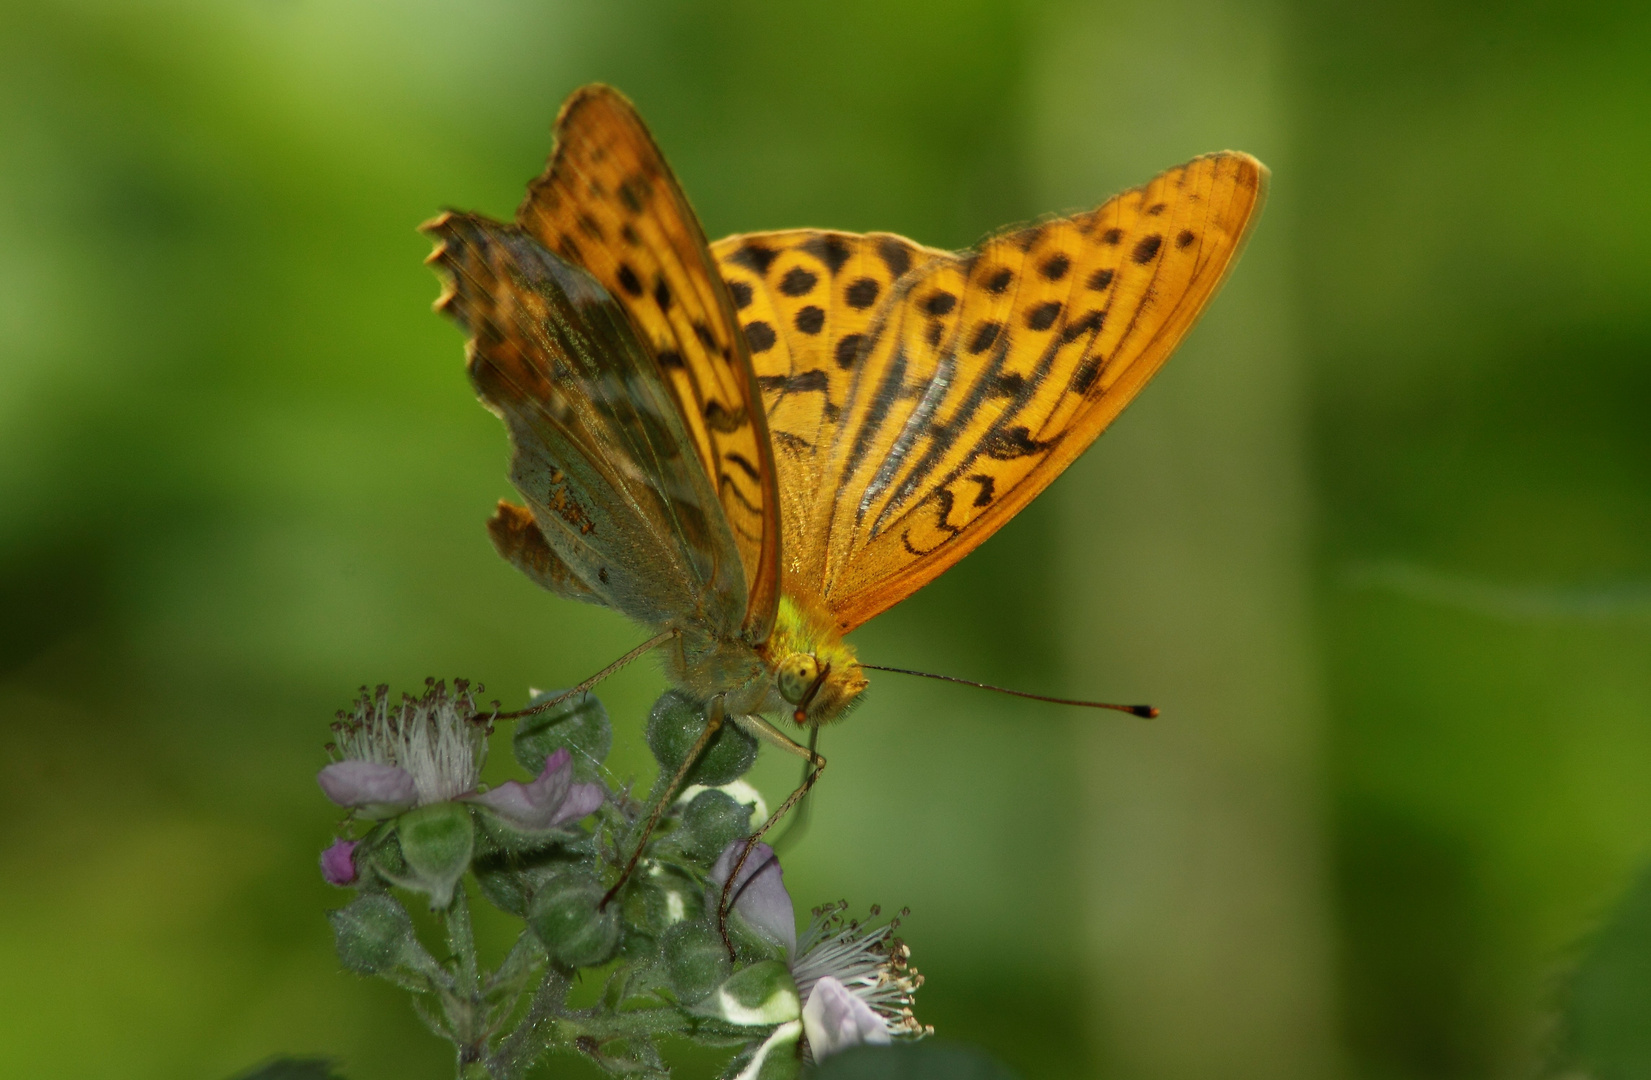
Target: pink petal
[(377, 789), (760, 897), (551, 800)]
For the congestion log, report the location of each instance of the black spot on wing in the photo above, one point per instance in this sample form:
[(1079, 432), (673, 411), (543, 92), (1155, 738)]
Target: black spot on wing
[(861, 294), (1009, 384), (933, 332), (848, 350), (810, 319), (801, 383), (628, 280), (741, 293), (755, 257), (590, 226), (760, 336), (798, 282), (1157, 208), (1146, 249), (1077, 328), (1055, 267), (895, 256), (1100, 279), (1044, 315), (988, 486), (999, 281), (1084, 377), (1112, 237), (703, 332), (670, 358), (1185, 238), (634, 192), (1017, 442), (985, 334), (939, 303), (662, 294), (720, 419), (830, 249)]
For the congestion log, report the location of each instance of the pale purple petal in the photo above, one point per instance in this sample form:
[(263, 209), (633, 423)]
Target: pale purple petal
[(551, 800), (338, 863), (582, 800), (759, 894), (378, 789), (834, 1019)]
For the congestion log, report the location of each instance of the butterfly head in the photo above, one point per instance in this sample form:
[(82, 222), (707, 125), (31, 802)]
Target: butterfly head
[(815, 671)]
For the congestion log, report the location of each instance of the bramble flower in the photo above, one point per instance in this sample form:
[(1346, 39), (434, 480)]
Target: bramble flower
[(430, 750), (853, 979), (422, 751)]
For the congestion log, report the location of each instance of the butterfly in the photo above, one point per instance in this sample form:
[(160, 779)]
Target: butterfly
[(754, 446)]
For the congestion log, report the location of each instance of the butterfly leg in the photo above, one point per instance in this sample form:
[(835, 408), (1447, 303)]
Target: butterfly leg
[(715, 716), (816, 764), (799, 819), (653, 642)]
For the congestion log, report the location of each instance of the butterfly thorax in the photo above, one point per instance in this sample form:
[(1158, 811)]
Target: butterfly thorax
[(813, 670)]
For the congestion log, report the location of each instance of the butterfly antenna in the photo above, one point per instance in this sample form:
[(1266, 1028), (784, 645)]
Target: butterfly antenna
[(1145, 712)]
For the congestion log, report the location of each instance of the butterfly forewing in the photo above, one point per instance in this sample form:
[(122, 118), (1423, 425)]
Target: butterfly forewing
[(805, 298), (609, 203), (600, 452), (980, 376)]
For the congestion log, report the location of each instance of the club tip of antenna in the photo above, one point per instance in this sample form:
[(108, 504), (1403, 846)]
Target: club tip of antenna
[(1145, 712)]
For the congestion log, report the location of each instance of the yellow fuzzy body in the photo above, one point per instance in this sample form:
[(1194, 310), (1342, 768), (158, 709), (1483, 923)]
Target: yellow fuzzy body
[(797, 630)]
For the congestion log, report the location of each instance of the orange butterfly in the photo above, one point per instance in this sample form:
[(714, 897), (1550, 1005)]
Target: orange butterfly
[(752, 447)]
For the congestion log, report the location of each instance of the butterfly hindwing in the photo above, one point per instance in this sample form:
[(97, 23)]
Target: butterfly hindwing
[(608, 202), (625, 514), (977, 377)]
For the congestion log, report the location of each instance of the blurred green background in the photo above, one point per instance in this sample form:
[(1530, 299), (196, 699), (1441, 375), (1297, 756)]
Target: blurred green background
[(1378, 541)]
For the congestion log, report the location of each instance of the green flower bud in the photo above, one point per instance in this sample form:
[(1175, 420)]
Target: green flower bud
[(564, 915), (695, 961), (580, 724), (436, 842), (374, 935), (676, 723), (759, 995), (711, 822)]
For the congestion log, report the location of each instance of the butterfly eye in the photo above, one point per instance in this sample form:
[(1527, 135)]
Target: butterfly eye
[(796, 676)]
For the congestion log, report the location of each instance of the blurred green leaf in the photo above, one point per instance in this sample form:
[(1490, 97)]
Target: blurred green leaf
[(912, 1061), (1607, 1019), (293, 1069)]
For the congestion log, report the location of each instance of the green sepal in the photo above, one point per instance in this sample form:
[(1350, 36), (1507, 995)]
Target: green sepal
[(778, 1057), (696, 962), (374, 936), (676, 723), (756, 996), (437, 842), (579, 723), (564, 914)]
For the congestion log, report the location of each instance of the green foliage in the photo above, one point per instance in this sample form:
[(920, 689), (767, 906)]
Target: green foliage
[(1606, 1032), (293, 1069), (920, 1061)]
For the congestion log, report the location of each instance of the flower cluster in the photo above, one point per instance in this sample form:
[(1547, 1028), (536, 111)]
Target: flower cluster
[(553, 851)]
